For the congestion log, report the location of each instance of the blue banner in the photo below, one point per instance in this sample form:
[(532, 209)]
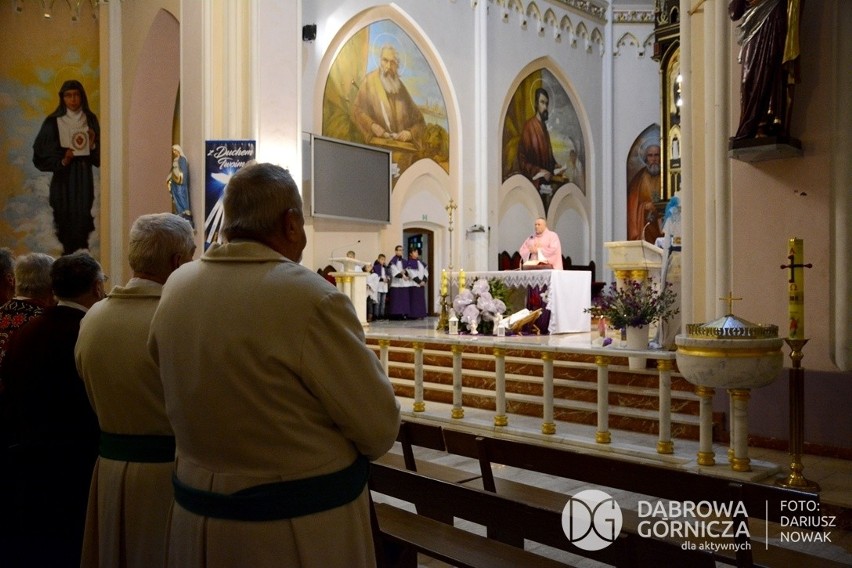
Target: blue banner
[(222, 160)]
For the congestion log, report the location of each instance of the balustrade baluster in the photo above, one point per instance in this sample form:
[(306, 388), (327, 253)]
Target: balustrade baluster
[(500, 418), (602, 436)]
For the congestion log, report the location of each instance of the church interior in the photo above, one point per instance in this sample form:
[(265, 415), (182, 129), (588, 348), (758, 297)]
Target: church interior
[(630, 98)]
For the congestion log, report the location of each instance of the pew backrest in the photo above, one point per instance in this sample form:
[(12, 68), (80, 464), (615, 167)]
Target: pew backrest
[(641, 478)]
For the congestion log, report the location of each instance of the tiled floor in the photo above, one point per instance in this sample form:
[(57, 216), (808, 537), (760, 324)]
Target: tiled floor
[(833, 475)]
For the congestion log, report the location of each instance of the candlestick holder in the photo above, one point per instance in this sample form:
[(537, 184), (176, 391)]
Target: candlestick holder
[(443, 318), (797, 421)]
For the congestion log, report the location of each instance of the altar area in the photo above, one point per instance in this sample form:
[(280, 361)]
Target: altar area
[(565, 293)]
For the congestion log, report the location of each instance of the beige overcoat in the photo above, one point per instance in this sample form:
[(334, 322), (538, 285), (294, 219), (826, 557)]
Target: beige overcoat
[(267, 378), (129, 502)]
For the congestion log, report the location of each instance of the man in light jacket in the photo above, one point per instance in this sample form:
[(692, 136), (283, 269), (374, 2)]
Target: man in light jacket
[(277, 404)]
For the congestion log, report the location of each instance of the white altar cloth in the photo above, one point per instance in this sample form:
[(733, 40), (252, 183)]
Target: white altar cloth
[(569, 293)]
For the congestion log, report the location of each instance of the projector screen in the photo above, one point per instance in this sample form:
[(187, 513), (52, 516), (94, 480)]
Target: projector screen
[(350, 181)]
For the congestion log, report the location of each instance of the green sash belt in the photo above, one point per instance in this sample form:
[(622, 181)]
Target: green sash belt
[(131, 448), (279, 500)]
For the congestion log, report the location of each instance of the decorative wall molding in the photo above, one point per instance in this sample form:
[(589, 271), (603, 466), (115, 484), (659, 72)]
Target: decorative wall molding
[(628, 39), (560, 29), (633, 16), (587, 7)]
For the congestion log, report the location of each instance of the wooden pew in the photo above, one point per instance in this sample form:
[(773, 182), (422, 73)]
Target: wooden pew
[(655, 481), (417, 533), (509, 518), (413, 435)]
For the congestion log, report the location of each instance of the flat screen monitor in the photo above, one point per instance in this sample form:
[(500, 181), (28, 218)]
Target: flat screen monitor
[(350, 181)]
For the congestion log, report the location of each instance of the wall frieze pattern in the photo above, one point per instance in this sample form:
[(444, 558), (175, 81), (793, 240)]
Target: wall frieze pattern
[(633, 16), (559, 27)]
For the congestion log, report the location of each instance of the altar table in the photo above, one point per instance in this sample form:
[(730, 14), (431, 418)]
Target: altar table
[(568, 293)]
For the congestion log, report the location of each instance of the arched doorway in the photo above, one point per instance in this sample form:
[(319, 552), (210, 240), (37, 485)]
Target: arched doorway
[(423, 240)]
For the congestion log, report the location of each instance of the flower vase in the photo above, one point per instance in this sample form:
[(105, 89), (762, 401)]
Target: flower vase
[(637, 338)]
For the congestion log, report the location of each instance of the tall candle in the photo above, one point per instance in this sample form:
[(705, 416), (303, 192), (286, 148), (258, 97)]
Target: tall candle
[(443, 282), (461, 279), (796, 289)]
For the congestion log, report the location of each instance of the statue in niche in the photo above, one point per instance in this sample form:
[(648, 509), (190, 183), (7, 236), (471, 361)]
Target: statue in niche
[(769, 54), (178, 184)]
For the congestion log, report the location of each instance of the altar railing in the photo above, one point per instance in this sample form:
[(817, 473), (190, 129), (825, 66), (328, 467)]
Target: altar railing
[(547, 347)]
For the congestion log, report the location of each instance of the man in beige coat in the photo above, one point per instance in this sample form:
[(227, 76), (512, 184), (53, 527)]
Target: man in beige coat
[(131, 492), (276, 402)]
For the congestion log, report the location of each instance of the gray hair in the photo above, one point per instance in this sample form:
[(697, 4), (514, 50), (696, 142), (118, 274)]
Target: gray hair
[(256, 198), (155, 238), (32, 275)]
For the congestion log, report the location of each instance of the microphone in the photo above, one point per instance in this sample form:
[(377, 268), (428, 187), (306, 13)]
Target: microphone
[(341, 247)]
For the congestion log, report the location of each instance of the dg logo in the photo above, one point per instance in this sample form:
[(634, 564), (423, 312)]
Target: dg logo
[(591, 520)]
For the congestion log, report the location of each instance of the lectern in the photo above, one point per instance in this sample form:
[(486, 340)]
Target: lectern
[(634, 260), (353, 282)]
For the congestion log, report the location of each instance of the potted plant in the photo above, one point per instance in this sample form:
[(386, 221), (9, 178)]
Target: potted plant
[(633, 306)]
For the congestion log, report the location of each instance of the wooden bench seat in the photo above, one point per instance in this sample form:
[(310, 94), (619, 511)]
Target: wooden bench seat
[(642, 478), (512, 522), (428, 436), (414, 435), (429, 469), (453, 545), (646, 479)]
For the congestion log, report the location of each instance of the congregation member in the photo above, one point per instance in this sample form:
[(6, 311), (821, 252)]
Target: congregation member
[(33, 293), (542, 246), (131, 489), (7, 275), (399, 298), (276, 402), (55, 430), (418, 277)]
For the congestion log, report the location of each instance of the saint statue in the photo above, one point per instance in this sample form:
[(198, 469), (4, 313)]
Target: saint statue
[(769, 54), (178, 184)]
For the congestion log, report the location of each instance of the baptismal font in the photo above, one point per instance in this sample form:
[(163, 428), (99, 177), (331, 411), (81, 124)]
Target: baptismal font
[(734, 354)]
